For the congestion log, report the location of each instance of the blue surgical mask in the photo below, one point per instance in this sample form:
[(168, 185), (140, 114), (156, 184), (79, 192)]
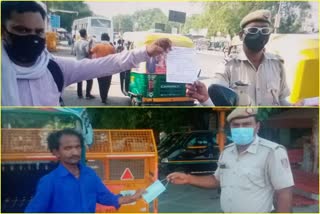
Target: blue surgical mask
[(242, 136), (153, 191)]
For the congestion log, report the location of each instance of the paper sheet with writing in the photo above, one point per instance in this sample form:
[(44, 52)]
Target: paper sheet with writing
[(182, 65)]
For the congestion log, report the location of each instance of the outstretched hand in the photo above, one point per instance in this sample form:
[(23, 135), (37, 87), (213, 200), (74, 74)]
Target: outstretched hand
[(178, 178), (158, 47)]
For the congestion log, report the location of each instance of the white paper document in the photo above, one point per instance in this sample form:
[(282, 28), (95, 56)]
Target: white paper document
[(182, 65)]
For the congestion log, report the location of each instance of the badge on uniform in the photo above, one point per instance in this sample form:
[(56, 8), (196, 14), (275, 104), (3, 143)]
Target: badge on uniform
[(285, 163)]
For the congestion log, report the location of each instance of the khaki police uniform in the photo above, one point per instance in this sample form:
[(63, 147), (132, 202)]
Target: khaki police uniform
[(257, 15), (265, 86), (248, 180), (242, 112)]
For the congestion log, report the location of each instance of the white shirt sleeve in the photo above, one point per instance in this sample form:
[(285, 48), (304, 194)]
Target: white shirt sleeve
[(208, 102), (279, 169)]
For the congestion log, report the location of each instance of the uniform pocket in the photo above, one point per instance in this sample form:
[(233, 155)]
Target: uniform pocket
[(252, 177), (272, 94), (225, 175)]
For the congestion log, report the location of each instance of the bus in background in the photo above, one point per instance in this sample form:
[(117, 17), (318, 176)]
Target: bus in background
[(95, 26)]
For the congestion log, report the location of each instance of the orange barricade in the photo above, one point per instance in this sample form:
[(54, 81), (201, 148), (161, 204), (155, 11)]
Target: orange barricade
[(126, 160)]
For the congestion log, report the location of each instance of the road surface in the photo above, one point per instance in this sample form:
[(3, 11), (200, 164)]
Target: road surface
[(207, 61)]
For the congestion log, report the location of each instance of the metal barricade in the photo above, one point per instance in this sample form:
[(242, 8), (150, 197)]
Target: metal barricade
[(126, 160)]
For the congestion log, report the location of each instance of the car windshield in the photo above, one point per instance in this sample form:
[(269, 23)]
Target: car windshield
[(100, 23), (168, 140), (176, 143)]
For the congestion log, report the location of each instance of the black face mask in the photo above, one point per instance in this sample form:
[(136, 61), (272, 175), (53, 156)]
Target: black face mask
[(24, 49), (256, 42)]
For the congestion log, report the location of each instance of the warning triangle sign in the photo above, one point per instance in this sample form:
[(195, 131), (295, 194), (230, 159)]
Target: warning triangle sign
[(127, 175)]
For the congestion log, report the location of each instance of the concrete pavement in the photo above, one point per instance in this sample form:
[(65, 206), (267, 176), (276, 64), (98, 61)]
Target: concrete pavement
[(189, 199)]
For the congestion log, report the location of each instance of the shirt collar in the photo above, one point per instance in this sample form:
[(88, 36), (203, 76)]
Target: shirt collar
[(62, 171), (252, 148)]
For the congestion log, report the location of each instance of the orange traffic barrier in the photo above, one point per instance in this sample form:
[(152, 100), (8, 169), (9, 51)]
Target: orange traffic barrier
[(126, 160)]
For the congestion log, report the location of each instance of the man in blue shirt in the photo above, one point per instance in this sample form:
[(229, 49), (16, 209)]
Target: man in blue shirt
[(72, 187)]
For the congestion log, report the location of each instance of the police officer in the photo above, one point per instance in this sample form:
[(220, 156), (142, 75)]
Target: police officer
[(256, 76), (254, 174)]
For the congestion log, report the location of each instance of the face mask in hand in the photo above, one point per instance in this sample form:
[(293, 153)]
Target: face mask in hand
[(154, 190), (24, 49), (242, 136)]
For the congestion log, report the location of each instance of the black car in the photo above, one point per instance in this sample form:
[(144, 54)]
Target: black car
[(166, 141), (195, 152)]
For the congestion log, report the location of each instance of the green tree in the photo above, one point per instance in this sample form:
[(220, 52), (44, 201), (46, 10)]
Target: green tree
[(142, 20), (158, 119), (293, 15), (146, 19), (266, 113), (67, 18), (123, 23), (194, 22), (225, 17)]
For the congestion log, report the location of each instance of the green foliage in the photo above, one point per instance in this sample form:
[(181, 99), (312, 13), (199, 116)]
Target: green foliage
[(266, 113), (290, 20), (159, 119), (123, 23), (225, 17), (142, 20), (66, 18), (194, 22), (35, 120), (147, 18)]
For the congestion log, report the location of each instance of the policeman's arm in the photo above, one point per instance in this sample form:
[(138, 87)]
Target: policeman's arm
[(208, 182), (281, 178), (284, 200), (198, 90), (284, 89), (284, 102)]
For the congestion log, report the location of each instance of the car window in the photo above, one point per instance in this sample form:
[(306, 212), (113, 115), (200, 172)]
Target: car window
[(173, 144), (169, 140), (198, 141)]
